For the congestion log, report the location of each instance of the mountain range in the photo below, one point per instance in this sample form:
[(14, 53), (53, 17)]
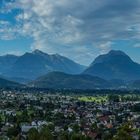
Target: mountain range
[(114, 65), (32, 65), (38, 69)]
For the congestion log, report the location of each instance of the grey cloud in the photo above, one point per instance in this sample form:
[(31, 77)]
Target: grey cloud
[(97, 20)]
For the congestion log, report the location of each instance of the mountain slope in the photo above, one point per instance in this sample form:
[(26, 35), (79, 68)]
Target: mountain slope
[(59, 80), (134, 84), (6, 83), (114, 65), (32, 65), (6, 62)]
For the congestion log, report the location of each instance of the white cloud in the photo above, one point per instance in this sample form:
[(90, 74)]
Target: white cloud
[(105, 47), (54, 24)]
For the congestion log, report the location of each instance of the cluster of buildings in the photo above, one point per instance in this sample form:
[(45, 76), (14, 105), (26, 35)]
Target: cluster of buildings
[(96, 120)]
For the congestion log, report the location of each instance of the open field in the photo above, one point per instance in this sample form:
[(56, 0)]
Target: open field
[(93, 98)]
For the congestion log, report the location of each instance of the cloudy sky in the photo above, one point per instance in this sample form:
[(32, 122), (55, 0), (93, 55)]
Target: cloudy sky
[(78, 29)]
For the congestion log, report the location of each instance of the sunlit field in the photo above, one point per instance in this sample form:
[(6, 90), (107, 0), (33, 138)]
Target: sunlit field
[(93, 98)]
